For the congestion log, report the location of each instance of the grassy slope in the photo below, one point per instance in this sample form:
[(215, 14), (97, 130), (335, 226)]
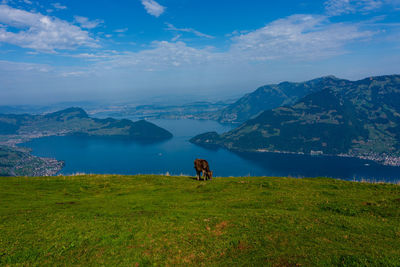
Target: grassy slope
[(158, 220)]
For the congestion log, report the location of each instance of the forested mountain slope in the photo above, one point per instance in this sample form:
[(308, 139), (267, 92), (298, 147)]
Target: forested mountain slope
[(356, 118)]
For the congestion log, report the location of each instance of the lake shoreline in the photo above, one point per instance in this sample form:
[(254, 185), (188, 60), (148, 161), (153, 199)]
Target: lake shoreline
[(175, 156), (384, 160)]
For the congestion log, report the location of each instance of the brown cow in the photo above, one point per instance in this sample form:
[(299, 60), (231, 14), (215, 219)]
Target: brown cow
[(201, 166)]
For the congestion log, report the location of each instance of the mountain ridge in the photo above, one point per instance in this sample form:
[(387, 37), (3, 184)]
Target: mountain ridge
[(268, 97), (347, 118)]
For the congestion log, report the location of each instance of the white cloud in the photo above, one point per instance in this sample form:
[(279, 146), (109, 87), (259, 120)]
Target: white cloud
[(58, 6), (297, 37), (86, 23), (162, 55), (92, 56), (39, 32), (176, 37), (153, 8), (121, 30), (73, 74), (171, 27), (6, 2), (339, 7)]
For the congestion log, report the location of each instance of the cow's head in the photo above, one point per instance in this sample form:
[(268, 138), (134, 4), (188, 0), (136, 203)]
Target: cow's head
[(210, 174)]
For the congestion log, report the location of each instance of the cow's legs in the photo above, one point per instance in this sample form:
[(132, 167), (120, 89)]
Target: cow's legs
[(204, 175), (197, 175)]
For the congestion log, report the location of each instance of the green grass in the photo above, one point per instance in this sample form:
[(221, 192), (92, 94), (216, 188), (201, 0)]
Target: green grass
[(151, 220)]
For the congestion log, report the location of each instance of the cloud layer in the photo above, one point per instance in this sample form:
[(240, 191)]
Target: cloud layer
[(40, 32), (295, 38)]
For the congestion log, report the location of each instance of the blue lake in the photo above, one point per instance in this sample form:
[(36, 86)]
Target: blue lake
[(176, 156)]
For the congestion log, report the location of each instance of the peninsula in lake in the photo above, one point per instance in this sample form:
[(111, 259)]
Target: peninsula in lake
[(17, 128)]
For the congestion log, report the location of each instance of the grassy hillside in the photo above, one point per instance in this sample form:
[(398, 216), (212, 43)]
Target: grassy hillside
[(160, 220)]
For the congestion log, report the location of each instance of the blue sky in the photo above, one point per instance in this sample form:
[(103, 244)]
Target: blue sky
[(55, 51)]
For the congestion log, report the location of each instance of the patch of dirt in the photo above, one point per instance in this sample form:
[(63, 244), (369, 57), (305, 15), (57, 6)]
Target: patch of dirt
[(243, 246), (220, 227)]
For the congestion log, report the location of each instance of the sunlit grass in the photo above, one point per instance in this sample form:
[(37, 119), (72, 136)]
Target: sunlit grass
[(166, 220)]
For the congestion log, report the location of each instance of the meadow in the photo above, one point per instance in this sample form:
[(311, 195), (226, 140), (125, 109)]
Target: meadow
[(152, 220)]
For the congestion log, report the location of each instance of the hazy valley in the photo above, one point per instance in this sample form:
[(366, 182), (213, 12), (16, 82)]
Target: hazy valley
[(323, 116)]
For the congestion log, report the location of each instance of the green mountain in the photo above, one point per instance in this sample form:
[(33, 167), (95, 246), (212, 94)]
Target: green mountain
[(75, 121), (352, 118), (268, 97), (15, 129)]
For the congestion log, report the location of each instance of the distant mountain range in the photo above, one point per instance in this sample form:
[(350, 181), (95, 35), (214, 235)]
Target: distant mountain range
[(337, 117), (267, 97), (192, 110)]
